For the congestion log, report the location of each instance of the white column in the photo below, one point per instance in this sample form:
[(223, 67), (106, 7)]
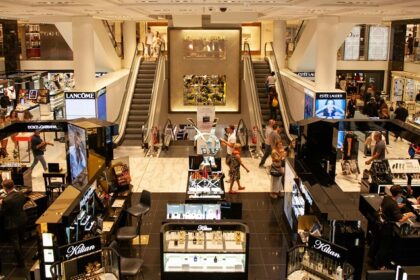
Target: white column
[(118, 32), (326, 53), (279, 42), (83, 53), (129, 42)]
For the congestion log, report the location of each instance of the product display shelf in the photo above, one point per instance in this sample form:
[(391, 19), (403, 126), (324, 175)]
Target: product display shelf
[(214, 250), (56, 99)]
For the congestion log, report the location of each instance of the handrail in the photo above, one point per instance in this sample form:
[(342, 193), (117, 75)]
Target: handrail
[(299, 33), (284, 109), (128, 93), (118, 49), (150, 122)]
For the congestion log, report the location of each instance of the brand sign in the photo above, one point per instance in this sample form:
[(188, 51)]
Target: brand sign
[(306, 74), (204, 228), (81, 248), (330, 95), (42, 127), (80, 95), (328, 249)]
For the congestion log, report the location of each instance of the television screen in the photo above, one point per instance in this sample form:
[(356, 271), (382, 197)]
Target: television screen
[(77, 154), (330, 108), (33, 94)]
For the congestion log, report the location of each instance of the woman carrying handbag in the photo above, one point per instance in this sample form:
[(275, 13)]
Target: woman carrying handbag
[(277, 169)]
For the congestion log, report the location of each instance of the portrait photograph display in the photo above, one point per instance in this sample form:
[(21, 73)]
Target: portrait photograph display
[(204, 46), (204, 89), (330, 105)]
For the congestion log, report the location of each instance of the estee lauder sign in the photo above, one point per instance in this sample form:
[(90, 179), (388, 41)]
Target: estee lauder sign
[(80, 248), (324, 247)]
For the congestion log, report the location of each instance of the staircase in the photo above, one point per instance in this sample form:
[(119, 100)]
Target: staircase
[(139, 109), (261, 71)]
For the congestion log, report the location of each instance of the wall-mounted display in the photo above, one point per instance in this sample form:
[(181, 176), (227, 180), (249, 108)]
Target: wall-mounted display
[(330, 105), (352, 44), (204, 89), (77, 154), (204, 46), (378, 43)]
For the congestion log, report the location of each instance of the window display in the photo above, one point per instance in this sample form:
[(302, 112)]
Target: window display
[(204, 89)]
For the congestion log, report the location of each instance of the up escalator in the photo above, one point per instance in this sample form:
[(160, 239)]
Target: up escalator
[(261, 71), (140, 103)]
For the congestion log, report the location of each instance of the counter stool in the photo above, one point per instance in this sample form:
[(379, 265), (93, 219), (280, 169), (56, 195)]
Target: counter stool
[(128, 233), (129, 267), (49, 189), (143, 207)]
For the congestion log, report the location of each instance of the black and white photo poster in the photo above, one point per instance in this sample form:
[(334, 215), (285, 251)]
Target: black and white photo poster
[(352, 44), (378, 43)]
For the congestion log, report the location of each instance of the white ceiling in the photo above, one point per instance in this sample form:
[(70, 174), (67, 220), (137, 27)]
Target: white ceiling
[(266, 9)]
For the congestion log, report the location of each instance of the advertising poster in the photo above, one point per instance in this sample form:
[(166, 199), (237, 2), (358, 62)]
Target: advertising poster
[(199, 45), (205, 89), (77, 154), (378, 43), (330, 105), (352, 44), (309, 104)]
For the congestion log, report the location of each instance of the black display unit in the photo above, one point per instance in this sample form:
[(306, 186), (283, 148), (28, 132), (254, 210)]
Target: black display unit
[(199, 250)]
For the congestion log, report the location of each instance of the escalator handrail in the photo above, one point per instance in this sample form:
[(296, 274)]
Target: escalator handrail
[(121, 120), (299, 33), (255, 101), (284, 110), (160, 60)]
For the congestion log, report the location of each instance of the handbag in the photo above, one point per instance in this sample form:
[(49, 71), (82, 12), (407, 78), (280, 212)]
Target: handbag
[(275, 171)]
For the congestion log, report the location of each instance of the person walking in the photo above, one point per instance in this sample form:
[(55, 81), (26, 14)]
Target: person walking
[(38, 147), (273, 102), (149, 41), (277, 165), (267, 142), (401, 114), (410, 44), (379, 149), (14, 218), (235, 168), (230, 144), (351, 106), (271, 81)]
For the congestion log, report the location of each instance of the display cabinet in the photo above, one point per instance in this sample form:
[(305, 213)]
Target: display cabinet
[(176, 211), (213, 250), (205, 186)]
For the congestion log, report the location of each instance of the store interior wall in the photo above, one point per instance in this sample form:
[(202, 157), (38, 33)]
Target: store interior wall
[(266, 34), (114, 97)]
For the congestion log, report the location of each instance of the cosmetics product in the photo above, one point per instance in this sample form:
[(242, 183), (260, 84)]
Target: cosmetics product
[(195, 258), (339, 273), (215, 259)]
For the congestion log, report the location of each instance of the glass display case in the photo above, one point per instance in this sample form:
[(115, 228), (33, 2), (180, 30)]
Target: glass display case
[(193, 211), (214, 250), (204, 185)]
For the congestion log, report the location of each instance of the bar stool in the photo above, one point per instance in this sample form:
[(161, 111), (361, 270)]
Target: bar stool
[(129, 267), (143, 207), (128, 233)]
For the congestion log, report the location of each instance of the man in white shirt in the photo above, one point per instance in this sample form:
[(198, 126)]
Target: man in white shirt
[(267, 142), (149, 41), (271, 81), (230, 143)]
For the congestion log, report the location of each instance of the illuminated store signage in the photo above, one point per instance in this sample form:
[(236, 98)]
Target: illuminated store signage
[(324, 247), (42, 127), (80, 95), (81, 248), (80, 105)]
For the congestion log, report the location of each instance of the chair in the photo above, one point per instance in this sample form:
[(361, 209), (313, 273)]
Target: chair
[(129, 267), (143, 207), (129, 232)]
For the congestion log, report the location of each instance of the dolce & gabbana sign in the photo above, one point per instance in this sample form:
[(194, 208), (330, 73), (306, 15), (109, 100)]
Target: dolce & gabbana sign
[(79, 95), (324, 247), (80, 248)]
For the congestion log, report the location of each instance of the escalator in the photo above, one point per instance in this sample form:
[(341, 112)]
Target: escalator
[(261, 71), (140, 103)]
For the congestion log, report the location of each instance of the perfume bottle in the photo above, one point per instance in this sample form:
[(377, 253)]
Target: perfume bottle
[(195, 259), (339, 273), (215, 259)]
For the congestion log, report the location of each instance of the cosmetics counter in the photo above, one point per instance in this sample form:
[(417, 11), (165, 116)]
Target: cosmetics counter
[(406, 242), (386, 173), (318, 260), (204, 250)]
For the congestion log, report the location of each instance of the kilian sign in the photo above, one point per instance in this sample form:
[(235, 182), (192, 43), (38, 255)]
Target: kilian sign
[(331, 250), (81, 248)]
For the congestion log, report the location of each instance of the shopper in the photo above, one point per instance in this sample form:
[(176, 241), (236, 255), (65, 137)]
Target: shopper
[(401, 114), (390, 213), (14, 218), (149, 42), (277, 159), (271, 81), (273, 102), (38, 148), (157, 43), (267, 142), (379, 149), (418, 96), (230, 143), (351, 106), (371, 108), (291, 149), (235, 168), (410, 44)]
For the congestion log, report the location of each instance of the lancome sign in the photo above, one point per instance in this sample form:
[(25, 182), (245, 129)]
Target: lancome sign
[(80, 105), (80, 95), (324, 247), (81, 248)]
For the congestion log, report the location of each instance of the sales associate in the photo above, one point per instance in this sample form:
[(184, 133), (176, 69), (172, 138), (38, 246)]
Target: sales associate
[(379, 149), (14, 218), (390, 213)]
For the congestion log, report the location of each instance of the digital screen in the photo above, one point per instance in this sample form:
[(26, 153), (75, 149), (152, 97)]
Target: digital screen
[(330, 108), (33, 94), (77, 154), (102, 104)]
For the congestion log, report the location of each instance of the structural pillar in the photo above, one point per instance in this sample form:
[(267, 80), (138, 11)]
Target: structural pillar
[(129, 42), (326, 53), (83, 53), (279, 42)]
